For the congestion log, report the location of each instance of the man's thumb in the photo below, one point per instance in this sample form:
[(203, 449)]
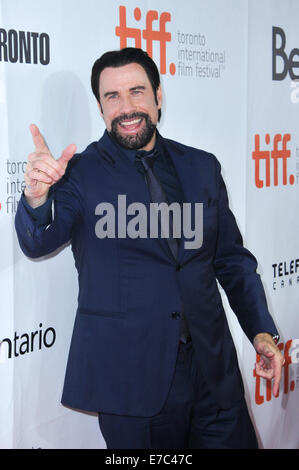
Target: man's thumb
[(67, 154)]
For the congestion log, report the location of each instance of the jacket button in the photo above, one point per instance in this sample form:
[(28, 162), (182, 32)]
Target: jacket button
[(179, 268), (176, 315), (29, 233)]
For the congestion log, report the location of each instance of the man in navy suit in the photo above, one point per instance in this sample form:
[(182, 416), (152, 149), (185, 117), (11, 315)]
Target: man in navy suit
[(151, 350)]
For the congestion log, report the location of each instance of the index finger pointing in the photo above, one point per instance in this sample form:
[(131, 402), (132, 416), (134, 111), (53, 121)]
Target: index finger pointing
[(38, 140)]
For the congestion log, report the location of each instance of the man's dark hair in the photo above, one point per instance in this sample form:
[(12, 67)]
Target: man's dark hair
[(119, 58)]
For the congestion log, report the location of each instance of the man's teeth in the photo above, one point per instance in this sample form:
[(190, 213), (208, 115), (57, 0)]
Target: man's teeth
[(130, 123)]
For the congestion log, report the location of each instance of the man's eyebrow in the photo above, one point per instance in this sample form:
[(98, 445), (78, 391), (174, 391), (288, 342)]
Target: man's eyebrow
[(108, 93), (138, 87)]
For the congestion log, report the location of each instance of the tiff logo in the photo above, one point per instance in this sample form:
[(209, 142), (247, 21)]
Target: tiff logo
[(149, 34), (272, 158)]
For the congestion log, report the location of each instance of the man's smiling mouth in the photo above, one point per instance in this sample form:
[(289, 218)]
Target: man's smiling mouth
[(133, 122)]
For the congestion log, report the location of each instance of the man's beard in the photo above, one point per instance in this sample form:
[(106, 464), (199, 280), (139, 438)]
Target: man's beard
[(134, 141)]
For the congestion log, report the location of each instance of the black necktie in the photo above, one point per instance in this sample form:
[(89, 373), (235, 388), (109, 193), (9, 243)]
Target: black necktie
[(158, 195)]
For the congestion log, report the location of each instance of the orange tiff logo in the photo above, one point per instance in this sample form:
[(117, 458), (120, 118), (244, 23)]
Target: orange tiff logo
[(149, 34), (271, 158), (291, 352)]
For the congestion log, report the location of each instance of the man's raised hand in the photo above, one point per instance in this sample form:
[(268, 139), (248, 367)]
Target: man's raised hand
[(42, 169)]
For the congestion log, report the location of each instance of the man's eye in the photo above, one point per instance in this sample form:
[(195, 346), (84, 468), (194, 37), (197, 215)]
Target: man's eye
[(112, 97)]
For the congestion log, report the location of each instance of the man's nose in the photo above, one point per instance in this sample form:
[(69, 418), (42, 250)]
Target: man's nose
[(127, 105)]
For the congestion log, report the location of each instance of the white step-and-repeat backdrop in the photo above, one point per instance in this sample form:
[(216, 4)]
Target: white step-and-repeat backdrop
[(230, 73)]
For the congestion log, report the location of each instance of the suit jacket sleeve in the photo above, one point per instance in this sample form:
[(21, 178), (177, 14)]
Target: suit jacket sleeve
[(235, 269)]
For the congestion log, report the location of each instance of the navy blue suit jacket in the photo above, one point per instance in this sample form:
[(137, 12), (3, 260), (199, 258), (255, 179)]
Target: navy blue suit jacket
[(132, 291)]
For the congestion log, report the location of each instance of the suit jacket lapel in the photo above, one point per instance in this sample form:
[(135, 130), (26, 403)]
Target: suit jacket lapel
[(124, 173), (185, 171)]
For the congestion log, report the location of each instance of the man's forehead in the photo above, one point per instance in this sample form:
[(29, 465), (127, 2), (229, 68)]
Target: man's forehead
[(125, 75)]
